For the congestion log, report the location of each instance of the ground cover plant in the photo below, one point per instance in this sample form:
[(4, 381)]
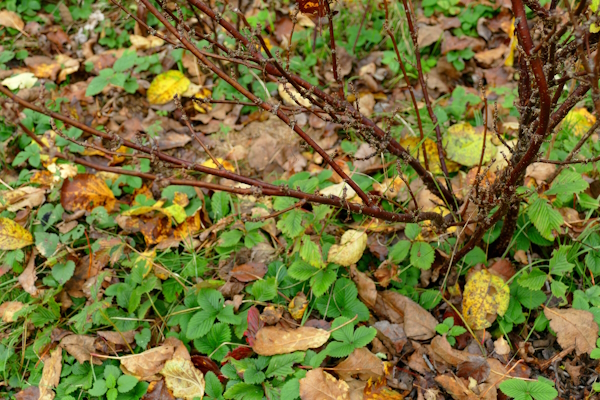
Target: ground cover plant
[(299, 200)]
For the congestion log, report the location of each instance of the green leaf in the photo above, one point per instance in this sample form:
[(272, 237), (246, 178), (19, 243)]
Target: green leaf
[(291, 224), (200, 324), (143, 337), (63, 272), (567, 183), (530, 299), (320, 282), (339, 349), (99, 388), (230, 238), (399, 251), (430, 298), (412, 231), (264, 290), (363, 336), (46, 243), (533, 280), (244, 391), (559, 264), (542, 391), (96, 86), (291, 389), (422, 255), (126, 383), (475, 256), (125, 62), (515, 388), (213, 386), (559, 290), (220, 205), (281, 365), (220, 333), (300, 270), (311, 252), (344, 302), (544, 218)]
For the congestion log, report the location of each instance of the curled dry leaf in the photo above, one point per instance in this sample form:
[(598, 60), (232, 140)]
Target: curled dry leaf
[(291, 97), (25, 80), (350, 249), (50, 374), (8, 310), (249, 272), (273, 340), (18, 199), (81, 347), (145, 366), (573, 328), (418, 323), (478, 369), (501, 347), (365, 285), (28, 276), (86, 192), (392, 335), (145, 42), (319, 385), (298, 306), (158, 390), (118, 338), (485, 296), (457, 389), (183, 379), (362, 363), (540, 171), (13, 236), (12, 20)]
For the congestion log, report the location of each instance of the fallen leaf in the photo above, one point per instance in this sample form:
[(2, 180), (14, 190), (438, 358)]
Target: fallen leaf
[(67, 65), (120, 338), (31, 393), (457, 389), (464, 145), (298, 306), (540, 172), (578, 121), (574, 371), (18, 199), (429, 35), (503, 268), (442, 349), (24, 80), (12, 20), (249, 272), (273, 340), (43, 67), (80, 347), (157, 390), (485, 296), (183, 379), (350, 250), (365, 285), (28, 276), (145, 42), (86, 192), (13, 236), (418, 323), (50, 374), (145, 366), (378, 390), (319, 385), (501, 347), (166, 85), (226, 164), (477, 369), (392, 335), (362, 363), (573, 328), (338, 190), (291, 97), (416, 147), (487, 57), (8, 310)]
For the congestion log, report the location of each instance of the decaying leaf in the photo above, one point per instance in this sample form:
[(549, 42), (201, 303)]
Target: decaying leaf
[(11, 19), (24, 80), (416, 147), (28, 276), (80, 347), (145, 42), (183, 379), (298, 306), (145, 366), (362, 363), (249, 272), (573, 328), (118, 337), (464, 145), (457, 389), (86, 192), (291, 97), (365, 285), (319, 385), (273, 340), (350, 249), (8, 310), (166, 85), (13, 236), (157, 390), (485, 296), (31, 393), (18, 199), (50, 374), (418, 323)]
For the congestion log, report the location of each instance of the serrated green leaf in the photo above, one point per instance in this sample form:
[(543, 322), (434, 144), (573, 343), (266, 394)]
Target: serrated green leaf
[(544, 218), (301, 270), (311, 252), (559, 265), (533, 280), (291, 224), (320, 282), (399, 251), (422, 255), (281, 365)]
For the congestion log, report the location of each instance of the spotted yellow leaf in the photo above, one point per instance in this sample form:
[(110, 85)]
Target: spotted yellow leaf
[(226, 164), (485, 296), (414, 144), (578, 121), (166, 85), (13, 236), (463, 145), (350, 249), (183, 379)]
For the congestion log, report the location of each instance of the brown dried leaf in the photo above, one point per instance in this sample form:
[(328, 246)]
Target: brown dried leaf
[(28, 276), (418, 323), (8, 310), (11, 19), (574, 371), (457, 389), (477, 369), (540, 172), (503, 268), (573, 328), (145, 366), (18, 199), (365, 285), (118, 338), (319, 385), (50, 374), (362, 363), (80, 347), (183, 379), (158, 390), (43, 67), (273, 340), (31, 393), (249, 272), (392, 335), (85, 192)]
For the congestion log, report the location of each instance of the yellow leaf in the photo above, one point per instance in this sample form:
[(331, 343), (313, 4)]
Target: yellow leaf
[(202, 94), (297, 306), (350, 250), (13, 236), (578, 121), (183, 379), (414, 144), (291, 97), (144, 262), (463, 145), (144, 43), (510, 60), (484, 297), (25, 80), (86, 192), (273, 340), (166, 85), (226, 164)]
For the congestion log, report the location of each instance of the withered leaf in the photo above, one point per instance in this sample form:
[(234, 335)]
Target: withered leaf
[(13, 236), (418, 323), (457, 389), (478, 369), (31, 393), (86, 192), (50, 374), (80, 347), (362, 363), (273, 340), (365, 285), (183, 379), (18, 199), (8, 310), (118, 338), (573, 328), (249, 272), (158, 390), (392, 335), (145, 366), (319, 385), (28, 276)]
